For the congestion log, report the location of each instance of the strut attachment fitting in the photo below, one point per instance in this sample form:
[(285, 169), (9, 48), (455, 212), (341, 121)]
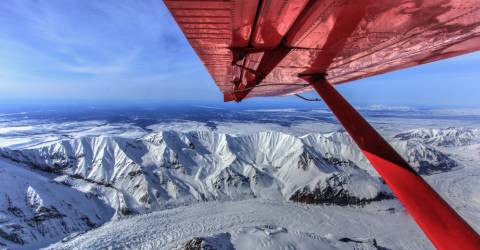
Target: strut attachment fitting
[(240, 53)]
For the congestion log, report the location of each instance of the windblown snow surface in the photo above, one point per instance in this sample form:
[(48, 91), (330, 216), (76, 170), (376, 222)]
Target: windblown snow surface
[(191, 186)]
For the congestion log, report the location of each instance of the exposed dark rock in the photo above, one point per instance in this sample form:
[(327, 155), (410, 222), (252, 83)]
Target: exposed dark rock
[(145, 198), (215, 242), (13, 209), (88, 222), (446, 164), (135, 173), (14, 235), (346, 239), (230, 178), (45, 213), (370, 241), (337, 162), (305, 160), (194, 244), (126, 211), (391, 210), (333, 193), (171, 161)]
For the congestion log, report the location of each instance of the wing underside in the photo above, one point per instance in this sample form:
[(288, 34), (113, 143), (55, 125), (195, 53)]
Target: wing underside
[(260, 48)]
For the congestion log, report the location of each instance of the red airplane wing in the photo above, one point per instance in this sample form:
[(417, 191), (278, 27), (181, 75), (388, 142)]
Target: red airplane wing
[(259, 48)]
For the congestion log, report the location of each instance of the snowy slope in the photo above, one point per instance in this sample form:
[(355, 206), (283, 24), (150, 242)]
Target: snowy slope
[(169, 168), (34, 209)]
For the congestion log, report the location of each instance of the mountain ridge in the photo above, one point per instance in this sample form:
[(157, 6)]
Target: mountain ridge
[(171, 168)]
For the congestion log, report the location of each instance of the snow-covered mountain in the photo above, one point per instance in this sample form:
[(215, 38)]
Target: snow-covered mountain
[(448, 137), (183, 167), (112, 176), (34, 209)]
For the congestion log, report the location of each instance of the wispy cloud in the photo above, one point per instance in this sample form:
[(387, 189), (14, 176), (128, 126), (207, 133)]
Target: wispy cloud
[(94, 38)]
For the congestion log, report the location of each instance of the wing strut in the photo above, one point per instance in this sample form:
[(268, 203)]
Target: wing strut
[(445, 228)]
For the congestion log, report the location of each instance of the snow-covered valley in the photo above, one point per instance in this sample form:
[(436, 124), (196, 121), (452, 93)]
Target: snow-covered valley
[(259, 224), (185, 185)]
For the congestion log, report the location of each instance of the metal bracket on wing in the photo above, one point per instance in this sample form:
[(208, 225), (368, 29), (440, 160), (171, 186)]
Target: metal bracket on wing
[(269, 60), (255, 72), (240, 53)]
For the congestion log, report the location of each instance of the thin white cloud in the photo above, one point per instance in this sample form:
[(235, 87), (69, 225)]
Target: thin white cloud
[(89, 37)]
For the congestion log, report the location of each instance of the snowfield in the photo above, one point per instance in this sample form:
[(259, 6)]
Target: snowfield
[(188, 184), (260, 224)]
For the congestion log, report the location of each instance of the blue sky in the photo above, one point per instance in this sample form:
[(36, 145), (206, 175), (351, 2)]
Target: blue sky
[(133, 50)]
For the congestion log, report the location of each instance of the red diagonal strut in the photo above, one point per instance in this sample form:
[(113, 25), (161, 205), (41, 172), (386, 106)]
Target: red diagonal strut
[(445, 228)]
